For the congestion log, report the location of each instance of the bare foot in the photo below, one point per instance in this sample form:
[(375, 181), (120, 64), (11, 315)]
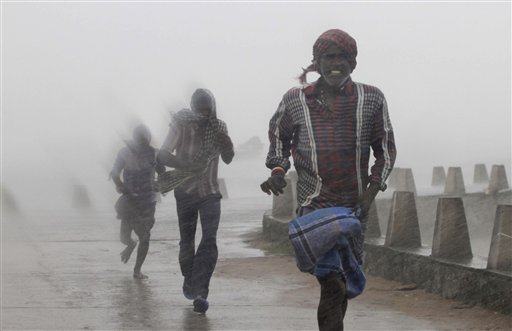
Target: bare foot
[(139, 275), (127, 252)]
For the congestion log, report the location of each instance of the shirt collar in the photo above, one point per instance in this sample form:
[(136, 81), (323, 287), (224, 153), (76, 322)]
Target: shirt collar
[(313, 91)]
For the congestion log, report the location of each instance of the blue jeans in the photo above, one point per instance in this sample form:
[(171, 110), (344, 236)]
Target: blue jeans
[(197, 266)]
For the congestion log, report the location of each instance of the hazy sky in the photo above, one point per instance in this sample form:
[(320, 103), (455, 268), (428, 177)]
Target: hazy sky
[(77, 76)]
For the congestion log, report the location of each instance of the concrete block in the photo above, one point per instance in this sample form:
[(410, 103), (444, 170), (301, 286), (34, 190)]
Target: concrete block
[(405, 181), (80, 197), (9, 202), (373, 226), (480, 175), (451, 234), (498, 180), (500, 254), (223, 188), (438, 176), (403, 227), (454, 181), (503, 220), (392, 179), (283, 204)]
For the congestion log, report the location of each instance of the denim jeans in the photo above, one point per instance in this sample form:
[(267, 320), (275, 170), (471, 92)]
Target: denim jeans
[(197, 266)]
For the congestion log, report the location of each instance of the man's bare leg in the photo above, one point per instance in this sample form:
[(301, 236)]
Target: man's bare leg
[(127, 252), (142, 252)]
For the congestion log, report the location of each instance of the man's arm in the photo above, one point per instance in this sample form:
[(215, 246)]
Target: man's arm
[(280, 134), (383, 146), (166, 157), (384, 151), (115, 174), (227, 151)]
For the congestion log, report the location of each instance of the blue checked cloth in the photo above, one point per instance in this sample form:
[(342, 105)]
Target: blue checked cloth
[(327, 241)]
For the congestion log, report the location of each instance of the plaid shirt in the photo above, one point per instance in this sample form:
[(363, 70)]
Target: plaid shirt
[(331, 150), (187, 140)]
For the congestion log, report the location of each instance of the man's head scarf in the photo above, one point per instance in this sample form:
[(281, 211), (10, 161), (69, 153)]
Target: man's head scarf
[(329, 38)]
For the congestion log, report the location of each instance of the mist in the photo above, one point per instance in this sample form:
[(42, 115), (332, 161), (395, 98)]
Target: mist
[(78, 76)]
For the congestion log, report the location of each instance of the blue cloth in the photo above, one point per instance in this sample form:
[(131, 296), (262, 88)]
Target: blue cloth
[(327, 241)]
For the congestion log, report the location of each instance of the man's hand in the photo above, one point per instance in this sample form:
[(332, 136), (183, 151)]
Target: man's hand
[(224, 141), (275, 184), (120, 188), (367, 198)]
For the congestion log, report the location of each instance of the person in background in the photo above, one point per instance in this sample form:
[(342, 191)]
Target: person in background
[(136, 206), (329, 128), (193, 145)]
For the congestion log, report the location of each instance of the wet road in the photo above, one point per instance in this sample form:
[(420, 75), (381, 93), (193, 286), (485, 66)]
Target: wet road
[(61, 270)]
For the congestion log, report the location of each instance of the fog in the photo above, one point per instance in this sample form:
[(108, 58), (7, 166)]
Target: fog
[(77, 77)]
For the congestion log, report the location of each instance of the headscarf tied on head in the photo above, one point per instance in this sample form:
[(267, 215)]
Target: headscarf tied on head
[(331, 37)]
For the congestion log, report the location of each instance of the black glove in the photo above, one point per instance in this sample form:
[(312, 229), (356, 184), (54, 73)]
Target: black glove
[(275, 184), (367, 198)]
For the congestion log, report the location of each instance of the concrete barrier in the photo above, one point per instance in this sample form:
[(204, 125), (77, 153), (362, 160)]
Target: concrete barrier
[(403, 228), (480, 175), (438, 176), (223, 188), (451, 235), (283, 205), (80, 198), (405, 181), (503, 220), (9, 202), (454, 181), (498, 180), (467, 282), (500, 253), (456, 281), (373, 226), (393, 177)]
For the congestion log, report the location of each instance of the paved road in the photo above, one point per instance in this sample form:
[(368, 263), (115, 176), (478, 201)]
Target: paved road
[(61, 270)]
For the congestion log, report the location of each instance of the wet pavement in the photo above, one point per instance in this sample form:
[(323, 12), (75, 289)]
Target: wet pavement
[(61, 270)]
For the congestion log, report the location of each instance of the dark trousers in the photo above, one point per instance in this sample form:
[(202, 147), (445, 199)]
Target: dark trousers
[(333, 296), (197, 266)]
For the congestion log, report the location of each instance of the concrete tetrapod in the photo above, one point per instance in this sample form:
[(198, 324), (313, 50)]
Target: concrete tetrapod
[(438, 176), (498, 180), (405, 181), (392, 179), (451, 234), (403, 228), (373, 227), (454, 181), (283, 205), (80, 198), (500, 253), (480, 175)]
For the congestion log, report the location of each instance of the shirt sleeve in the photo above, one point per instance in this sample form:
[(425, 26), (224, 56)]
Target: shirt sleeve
[(119, 164), (383, 146), (172, 139), (280, 134), (227, 150)]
